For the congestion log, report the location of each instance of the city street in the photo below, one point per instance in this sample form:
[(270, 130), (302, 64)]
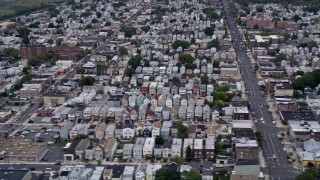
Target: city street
[(278, 167)]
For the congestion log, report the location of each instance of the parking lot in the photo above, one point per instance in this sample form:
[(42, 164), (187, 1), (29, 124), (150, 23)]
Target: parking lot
[(43, 134)]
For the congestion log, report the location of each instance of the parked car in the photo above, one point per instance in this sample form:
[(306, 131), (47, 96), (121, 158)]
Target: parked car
[(50, 143), (44, 159), (57, 163)]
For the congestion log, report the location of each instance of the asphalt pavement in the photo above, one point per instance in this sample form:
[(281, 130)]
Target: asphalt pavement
[(278, 167)]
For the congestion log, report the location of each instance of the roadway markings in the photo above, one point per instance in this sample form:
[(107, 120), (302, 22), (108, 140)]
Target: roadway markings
[(274, 149)]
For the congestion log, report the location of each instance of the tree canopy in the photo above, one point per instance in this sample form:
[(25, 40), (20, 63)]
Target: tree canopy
[(214, 43), (167, 174), (182, 130), (188, 175), (311, 79), (129, 31), (86, 81), (178, 43), (11, 53)]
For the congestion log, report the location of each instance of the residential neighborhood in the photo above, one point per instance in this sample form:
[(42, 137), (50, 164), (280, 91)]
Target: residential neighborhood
[(147, 90)]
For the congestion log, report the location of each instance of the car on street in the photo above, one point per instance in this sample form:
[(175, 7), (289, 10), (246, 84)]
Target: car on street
[(57, 163), (40, 139), (219, 165), (50, 143), (44, 159)]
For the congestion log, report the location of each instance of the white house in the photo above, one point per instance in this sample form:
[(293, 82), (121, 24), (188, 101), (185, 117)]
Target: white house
[(148, 147), (176, 147)]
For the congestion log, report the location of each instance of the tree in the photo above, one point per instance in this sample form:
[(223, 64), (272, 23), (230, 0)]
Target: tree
[(186, 58), (259, 9), (214, 43), (175, 81), (107, 23), (189, 155), (256, 26), (188, 175), (208, 31), (300, 73), (286, 36), (98, 14), (145, 28), (11, 53), (179, 43), (167, 174), (129, 71), (296, 94), (101, 68), (59, 31), (312, 44), (93, 21), (100, 91), (24, 33), (129, 31), (123, 51), (193, 40), (135, 61), (204, 79), (306, 176), (182, 130), (159, 140), (178, 160), (296, 18), (50, 41), (86, 81)]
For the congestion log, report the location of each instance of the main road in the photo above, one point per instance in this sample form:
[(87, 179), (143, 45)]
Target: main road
[(277, 165)]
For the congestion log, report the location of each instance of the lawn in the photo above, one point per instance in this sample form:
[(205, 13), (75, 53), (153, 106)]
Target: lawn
[(9, 10)]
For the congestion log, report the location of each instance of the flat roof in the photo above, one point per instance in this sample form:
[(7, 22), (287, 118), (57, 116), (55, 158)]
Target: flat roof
[(306, 116), (13, 174)]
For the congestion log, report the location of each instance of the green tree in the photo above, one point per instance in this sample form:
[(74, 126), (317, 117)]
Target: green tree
[(179, 43), (208, 31), (204, 79), (286, 36), (190, 175), (193, 40), (159, 140), (182, 130), (259, 9), (189, 155), (175, 81), (101, 68), (11, 53), (100, 91), (93, 21), (256, 26), (296, 18), (296, 94), (300, 73), (306, 176), (123, 51), (186, 58), (167, 174), (98, 14), (86, 81), (107, 23), (214, 43), (135, 61), (129, 31), (50, 41), (312, 44), (145, 28), (129, 71), (178, 160)]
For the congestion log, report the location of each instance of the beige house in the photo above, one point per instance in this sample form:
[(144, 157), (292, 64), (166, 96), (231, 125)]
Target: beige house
[(284, 89), (100, 131)]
